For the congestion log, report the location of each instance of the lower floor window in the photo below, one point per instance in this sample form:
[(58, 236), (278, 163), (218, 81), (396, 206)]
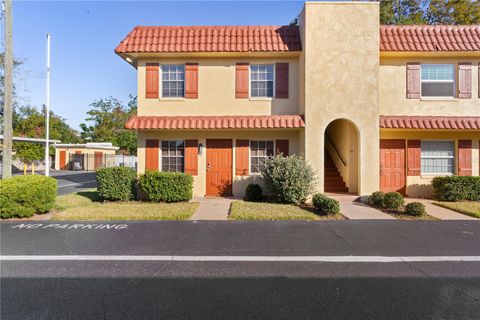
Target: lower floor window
[(259, 152), (437, 157), (173, 155)]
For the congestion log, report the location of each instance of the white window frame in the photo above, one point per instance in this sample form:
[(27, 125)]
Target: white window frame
[(454, 81), (250, 153), (161, 82), (250, 81), (438, 157), (161, 154)]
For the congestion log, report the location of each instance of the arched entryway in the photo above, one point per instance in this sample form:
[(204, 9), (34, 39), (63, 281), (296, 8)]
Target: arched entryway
[(341, 164)]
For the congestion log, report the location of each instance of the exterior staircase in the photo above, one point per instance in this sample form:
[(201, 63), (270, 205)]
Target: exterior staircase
[(333, 180)]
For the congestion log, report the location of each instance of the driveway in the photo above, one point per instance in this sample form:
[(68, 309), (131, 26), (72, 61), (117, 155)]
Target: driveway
[(377, 269), (74, 181)]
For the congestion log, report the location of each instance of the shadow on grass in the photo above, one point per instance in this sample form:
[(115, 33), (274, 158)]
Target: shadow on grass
[(91, 195)]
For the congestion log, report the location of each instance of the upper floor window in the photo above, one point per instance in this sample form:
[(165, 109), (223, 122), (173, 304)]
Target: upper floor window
[(261, 80), (173, 80), (437, 80), (259, 152), (437, 157), (173, 154)]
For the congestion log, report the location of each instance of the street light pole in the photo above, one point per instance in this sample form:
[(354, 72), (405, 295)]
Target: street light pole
[(8, 91), (47, 112)]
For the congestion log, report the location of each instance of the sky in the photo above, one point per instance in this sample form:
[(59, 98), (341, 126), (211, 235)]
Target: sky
[(84, 34)]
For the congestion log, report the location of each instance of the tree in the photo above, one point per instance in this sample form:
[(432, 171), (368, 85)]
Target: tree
[(401, 12), (28, 153), (16, 63), (452, 12), (29, 122), (108, 117)]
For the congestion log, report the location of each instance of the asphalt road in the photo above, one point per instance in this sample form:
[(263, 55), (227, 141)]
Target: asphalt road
[(71, 181), (214, 270)]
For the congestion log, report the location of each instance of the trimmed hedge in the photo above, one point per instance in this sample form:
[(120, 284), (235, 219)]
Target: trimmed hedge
[(416, 209), (393, 201), (116, 184), (23, 196), (376, 199), (254, 192), (456, 188), (325, 205), (289, 179), (166, 186)]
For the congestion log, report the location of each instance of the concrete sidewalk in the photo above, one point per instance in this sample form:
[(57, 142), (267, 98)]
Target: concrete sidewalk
[(357, 210), (440, 212), (212, 208)]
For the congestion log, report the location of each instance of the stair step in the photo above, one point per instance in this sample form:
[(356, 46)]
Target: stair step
[(333, 181)]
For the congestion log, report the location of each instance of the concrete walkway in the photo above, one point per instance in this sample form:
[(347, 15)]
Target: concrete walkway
[(440, 212), (357, 210), (212, 208)]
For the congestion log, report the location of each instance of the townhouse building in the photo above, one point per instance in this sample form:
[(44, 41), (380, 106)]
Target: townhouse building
[(371, 107)]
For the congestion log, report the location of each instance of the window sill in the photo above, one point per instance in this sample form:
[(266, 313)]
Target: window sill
[(433, 175), (260, 99), (445, 99), (172, 99)]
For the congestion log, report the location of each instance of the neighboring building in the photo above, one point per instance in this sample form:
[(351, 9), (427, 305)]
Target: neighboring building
[(371, 107), (86, 156)]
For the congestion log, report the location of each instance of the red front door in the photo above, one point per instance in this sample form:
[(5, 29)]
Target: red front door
[(392, 165), (98, 159), (63, 160), (219, 167)]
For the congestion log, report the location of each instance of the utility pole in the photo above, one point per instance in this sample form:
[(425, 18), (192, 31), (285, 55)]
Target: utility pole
[(47, 112), (8, 91)]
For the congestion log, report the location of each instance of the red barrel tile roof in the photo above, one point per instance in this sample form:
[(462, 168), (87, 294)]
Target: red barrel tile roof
[(211, 39), (430, 38), (215, 122), (430, 122)]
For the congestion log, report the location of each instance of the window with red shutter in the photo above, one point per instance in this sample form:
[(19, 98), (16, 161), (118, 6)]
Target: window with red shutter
[(464, 157), (241, 157), (191, 157), (191, 80), (413, 80), (414, 157), (151, 154), (151, 80), (241, 81), (281, 80)]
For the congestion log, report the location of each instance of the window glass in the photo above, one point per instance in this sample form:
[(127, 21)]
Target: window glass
[(438, 80), (173, 80), (173, 155), (437, 157), (259, 152), (261, 80)]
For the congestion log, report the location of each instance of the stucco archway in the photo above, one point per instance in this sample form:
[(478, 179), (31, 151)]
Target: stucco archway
[(342, 157)]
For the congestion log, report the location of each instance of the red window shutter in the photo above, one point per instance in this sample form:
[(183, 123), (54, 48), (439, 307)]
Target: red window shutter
[(241, 81), (191, 157), (465, 81), (281, 80), (151, 81), (241, 157), (413, 80), (151, 154), (414, 161), (464, 157), (191, 80), (281, 146)]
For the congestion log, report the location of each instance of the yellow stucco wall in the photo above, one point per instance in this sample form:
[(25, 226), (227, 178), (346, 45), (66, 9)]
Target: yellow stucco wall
[(392, 84), (89, 165), (216, 90), (239, 182), (420, 186), (341, 59)]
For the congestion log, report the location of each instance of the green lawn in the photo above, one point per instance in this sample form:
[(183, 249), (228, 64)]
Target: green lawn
[(470, 208), (86, 205), (243, 210)]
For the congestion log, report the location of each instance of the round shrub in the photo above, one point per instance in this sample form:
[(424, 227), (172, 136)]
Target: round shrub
[(456, 188), (289, 179), (376, 199), (116, 184), (393, 201), (166, 186), (325, 205), (254, 192), (23, 196), (415, 209)]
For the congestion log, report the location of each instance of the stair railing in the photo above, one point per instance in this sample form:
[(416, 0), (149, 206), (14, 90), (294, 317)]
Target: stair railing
[(336, 150)]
